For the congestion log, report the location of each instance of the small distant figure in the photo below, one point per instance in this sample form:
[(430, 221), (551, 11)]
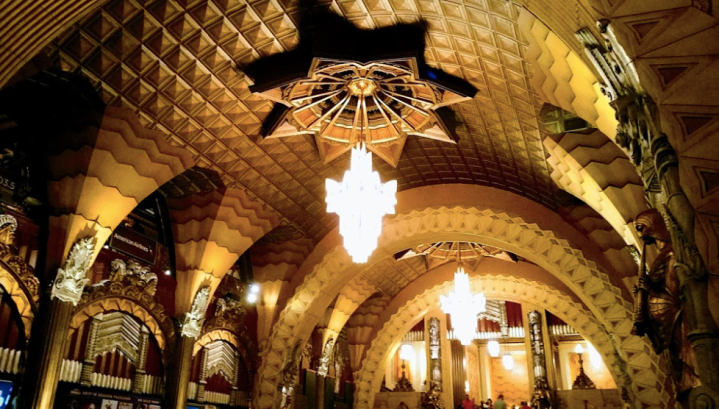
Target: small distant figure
[(490, 405), (500, 404), (467, 403), (524, 405)]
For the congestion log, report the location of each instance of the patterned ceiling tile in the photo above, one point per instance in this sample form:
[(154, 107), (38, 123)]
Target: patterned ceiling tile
[(178, 64)]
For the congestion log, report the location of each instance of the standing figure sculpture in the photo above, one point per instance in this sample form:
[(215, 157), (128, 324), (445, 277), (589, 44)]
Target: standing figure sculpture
[(659, 312)]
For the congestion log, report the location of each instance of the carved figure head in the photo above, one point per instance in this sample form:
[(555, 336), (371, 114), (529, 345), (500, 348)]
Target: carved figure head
[(651, 227)]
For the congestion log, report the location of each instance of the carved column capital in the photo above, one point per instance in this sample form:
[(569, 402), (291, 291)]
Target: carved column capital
[(193, 320), (71, 280)]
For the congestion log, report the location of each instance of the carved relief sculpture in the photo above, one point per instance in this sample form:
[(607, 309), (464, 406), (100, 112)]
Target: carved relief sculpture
[(71, 280), (193, 320), (540, 398), (435, 357), (136, 275), (133, 281)]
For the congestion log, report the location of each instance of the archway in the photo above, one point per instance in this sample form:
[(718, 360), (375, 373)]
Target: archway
[(127, 306), (506, 287), (440, 213), (13, 282)]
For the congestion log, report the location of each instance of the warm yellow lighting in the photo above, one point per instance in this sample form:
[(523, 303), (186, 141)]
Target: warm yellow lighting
[(578, 349), (595, 359), (466, 386), (406, 352), (508, 361), (493, 348)]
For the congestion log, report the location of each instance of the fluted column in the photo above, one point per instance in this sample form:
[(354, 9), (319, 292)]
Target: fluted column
[(88, 363), (138, 380), (235, 394), (203, 373)]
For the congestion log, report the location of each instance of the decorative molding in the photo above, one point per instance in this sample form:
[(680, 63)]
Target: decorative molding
[(193, 320), (22, 273), (134, 283), (8, 226), (220, 357), (71, 280), (512, 233)]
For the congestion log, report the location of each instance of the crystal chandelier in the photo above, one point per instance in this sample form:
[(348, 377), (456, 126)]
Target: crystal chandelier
[(464, 307), (361, 201)]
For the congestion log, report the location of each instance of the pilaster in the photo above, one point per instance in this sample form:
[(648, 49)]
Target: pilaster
[(88, 363), (178, 378), (137, 381), (42, 371)]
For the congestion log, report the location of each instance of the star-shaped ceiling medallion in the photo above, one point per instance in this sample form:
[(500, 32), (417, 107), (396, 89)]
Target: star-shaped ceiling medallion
[(344, 102)]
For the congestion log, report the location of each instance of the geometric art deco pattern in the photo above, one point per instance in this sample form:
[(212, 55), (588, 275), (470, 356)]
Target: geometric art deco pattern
[(174, 63)]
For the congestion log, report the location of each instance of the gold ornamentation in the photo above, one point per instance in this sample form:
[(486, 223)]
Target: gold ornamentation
[(23, 273), (135, 274), (133, 282), (8, 225)]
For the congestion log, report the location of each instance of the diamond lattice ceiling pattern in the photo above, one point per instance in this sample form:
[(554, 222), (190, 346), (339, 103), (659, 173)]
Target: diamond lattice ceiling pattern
[(174, 62)]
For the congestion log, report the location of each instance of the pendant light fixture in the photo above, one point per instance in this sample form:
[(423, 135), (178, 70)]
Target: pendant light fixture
[(493, 348), (361, 201), (508, 360), (462, 305)]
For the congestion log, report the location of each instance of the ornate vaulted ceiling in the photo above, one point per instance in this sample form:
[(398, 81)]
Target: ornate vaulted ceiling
[(175, 63)]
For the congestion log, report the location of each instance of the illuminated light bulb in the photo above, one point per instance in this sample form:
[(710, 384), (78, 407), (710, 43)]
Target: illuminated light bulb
[(254, 289), (508, 361), (406, 352), (251, 298), (168, 272), (578, 349), (361, 200), (493, 348)]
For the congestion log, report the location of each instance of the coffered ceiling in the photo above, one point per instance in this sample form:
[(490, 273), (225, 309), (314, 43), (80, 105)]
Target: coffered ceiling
[(174, 62)]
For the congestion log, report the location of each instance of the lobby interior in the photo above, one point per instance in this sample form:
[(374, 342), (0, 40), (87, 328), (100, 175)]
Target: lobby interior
[(188, 218)]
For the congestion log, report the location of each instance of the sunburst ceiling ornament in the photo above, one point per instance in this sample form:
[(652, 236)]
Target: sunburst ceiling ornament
[(380, 103)]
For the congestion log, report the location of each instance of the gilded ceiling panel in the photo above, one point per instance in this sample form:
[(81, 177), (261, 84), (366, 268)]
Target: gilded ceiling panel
[(175, 64)]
